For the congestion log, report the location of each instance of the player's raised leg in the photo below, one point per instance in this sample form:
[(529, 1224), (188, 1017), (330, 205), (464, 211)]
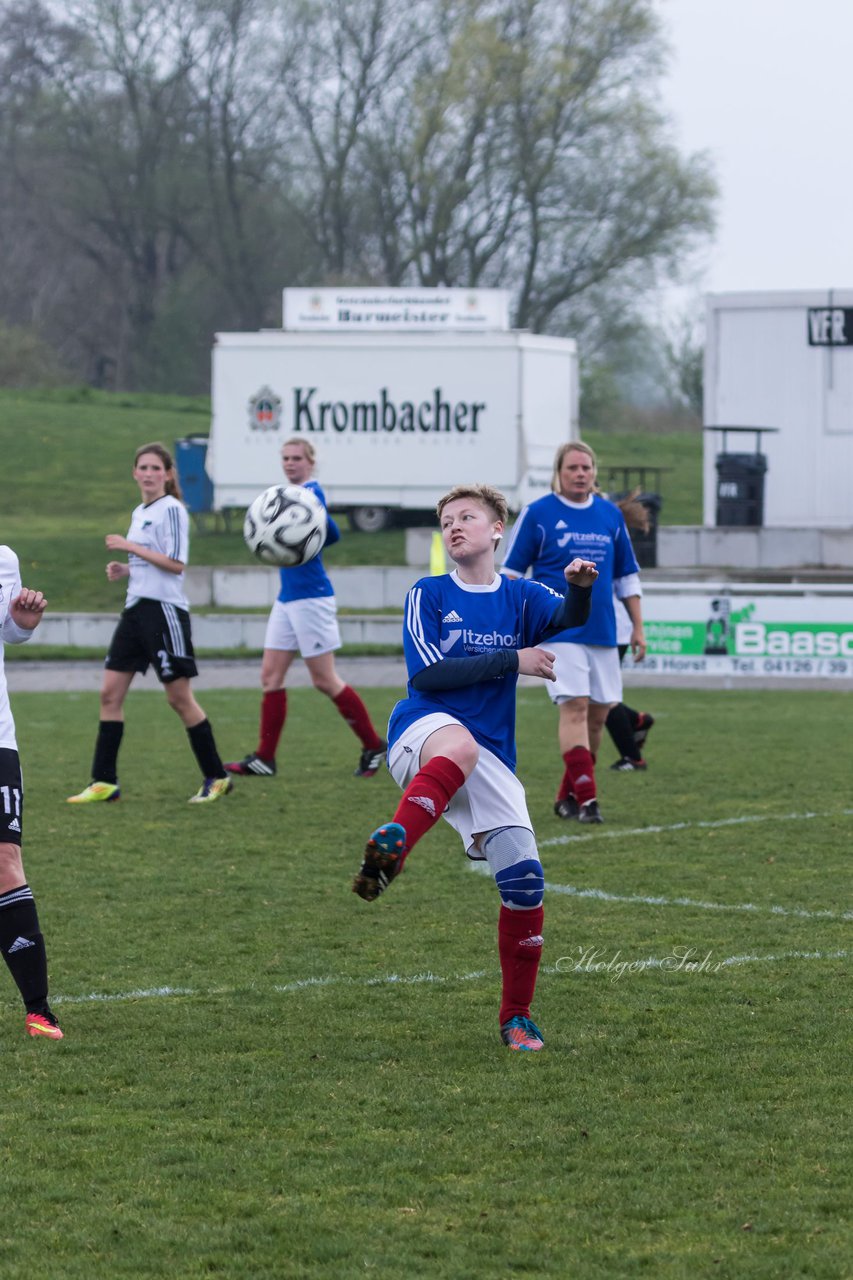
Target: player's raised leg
[(447, 758)]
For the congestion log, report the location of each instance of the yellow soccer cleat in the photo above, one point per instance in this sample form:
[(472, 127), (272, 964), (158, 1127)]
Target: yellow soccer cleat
[(212, 789), (96, 791)]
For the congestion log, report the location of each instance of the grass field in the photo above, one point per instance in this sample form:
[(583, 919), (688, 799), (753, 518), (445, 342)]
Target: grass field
[(71, 453), (264, 1077)]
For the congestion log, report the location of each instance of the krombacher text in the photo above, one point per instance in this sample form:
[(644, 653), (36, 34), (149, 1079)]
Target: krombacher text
[(383, 414)]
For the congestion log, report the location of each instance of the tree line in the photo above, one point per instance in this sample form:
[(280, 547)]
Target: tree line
[(167, 166)]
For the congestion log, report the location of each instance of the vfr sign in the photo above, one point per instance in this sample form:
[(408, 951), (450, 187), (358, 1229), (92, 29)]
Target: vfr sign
[(830, 326)]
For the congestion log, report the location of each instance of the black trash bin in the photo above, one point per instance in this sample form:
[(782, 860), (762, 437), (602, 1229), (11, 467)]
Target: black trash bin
[(190, 455), (740, 488)]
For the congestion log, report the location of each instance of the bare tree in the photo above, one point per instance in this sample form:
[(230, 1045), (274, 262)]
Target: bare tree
[(168, 165)]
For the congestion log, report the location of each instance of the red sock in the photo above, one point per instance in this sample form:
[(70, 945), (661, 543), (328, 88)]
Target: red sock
[(427, 796), (273, 716), (356, 715), (520, 949), (579, 778)]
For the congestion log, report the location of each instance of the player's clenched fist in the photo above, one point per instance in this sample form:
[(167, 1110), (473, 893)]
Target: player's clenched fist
[(536, 662), (26, 609), (581, 573)]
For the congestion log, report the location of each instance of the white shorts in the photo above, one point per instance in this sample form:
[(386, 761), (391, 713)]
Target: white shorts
[(311, 626), (585, 671), (491, 797)]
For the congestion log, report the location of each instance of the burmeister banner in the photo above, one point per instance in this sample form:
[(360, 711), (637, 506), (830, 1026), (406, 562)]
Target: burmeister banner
[(397, 310)]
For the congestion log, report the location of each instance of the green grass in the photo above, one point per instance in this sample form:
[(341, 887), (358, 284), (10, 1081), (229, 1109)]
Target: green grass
[(71, 455), (318, 1089)]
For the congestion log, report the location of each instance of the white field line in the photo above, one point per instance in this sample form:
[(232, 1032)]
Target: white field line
[(623, 832), (648, 900), (663, 963)]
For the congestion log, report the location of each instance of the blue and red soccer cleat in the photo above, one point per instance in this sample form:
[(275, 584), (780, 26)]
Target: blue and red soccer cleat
[(383, 857), (522, 1033)]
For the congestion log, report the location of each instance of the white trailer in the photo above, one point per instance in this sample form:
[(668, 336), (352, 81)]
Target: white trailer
[(784, 361), (396, 418)]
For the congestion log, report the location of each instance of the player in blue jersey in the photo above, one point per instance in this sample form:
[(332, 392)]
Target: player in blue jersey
[(467, 636), (304, 620), (576, 521)]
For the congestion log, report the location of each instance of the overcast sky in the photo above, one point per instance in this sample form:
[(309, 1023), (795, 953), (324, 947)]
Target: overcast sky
[(766, 86)]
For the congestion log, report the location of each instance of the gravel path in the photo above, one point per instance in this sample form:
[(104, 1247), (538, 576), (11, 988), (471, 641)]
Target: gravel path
[(367, 673)]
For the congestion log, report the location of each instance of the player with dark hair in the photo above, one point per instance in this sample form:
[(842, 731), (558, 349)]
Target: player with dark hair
[(628, 728), (304, 621), (467, 636), (153, 630), (21, 940), (574, 520)]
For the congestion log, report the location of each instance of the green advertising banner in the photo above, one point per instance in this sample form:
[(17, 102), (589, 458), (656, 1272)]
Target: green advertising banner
[(794, 632)]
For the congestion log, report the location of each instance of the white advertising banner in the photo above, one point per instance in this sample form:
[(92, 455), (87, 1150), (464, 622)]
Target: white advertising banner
[(748, 630), (397, 310)]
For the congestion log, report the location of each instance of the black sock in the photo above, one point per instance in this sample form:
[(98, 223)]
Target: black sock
[(204, 749), (22, 946), (107, 743), (619, 727)]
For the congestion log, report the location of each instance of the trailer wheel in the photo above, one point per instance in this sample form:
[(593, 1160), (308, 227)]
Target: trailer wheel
[(371, 519)]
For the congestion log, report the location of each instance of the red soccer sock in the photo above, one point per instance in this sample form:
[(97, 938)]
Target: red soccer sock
[(427, 796), (579, 778), (357, 717), (520, 949), (273, 716)]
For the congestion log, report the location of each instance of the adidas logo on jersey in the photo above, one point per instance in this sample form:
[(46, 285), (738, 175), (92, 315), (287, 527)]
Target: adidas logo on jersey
[(14, 825), (453, 616), (20, 944)]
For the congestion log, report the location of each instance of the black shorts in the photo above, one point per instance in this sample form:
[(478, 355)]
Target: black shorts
[(11, 797), (151, 633)]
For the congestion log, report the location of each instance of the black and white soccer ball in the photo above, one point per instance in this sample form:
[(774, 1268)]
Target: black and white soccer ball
[(285, 525)]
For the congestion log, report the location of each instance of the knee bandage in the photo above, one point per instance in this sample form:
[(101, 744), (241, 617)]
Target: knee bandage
[(514, 861)]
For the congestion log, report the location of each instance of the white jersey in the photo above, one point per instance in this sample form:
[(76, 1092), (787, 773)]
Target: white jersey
[(624, 625), (10, 633), (162, 525)]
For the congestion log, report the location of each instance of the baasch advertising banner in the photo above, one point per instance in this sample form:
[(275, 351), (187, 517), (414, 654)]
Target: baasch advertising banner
[(749, 630)]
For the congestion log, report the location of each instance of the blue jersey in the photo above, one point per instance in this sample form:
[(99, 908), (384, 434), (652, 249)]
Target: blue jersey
[(551, 531), (448, 618), (309, 581)]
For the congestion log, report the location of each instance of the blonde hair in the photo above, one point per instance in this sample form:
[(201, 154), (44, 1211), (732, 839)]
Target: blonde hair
[(571, 446), (310, 451), (160, 451), (485, 494)]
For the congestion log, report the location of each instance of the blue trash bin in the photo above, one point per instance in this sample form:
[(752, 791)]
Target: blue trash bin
[(190, 454)]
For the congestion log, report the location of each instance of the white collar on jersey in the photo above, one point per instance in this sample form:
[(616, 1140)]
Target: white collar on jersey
[(577, 506), (494, 585)]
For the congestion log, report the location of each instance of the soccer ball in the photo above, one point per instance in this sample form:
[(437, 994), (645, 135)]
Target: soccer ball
[(285, 525)]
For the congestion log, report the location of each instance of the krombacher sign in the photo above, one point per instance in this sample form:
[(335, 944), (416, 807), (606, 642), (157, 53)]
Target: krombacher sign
[(382, 414)]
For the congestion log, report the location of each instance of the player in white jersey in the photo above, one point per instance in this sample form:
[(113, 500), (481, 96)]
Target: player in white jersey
[(21, 940), (304, 621), (153, 630), (574, 520), (451, 741)]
